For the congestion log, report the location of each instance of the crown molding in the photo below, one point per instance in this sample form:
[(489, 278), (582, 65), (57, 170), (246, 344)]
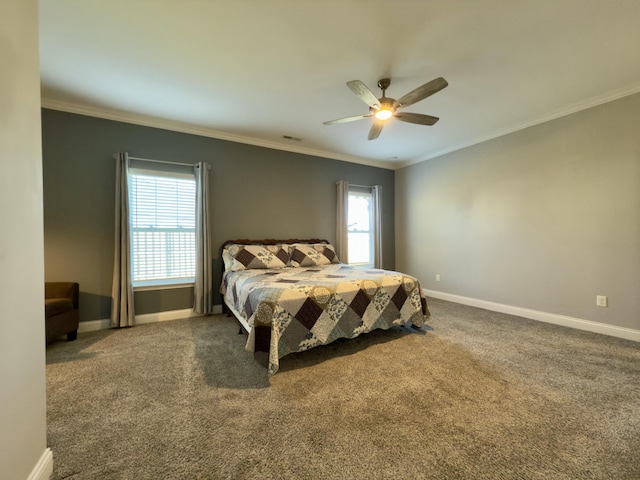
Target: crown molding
[(149, 121), (175, 126), (563, 112)]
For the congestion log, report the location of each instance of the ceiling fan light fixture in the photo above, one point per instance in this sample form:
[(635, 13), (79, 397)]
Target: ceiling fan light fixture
[(383, 114)]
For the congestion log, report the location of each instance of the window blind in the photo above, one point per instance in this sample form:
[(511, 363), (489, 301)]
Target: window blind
[(162, 207)]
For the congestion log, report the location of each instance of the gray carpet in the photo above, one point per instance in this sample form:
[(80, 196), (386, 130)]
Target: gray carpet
[(481, 395)]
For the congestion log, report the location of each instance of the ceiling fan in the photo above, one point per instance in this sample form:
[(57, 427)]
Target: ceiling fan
[(385, 107)]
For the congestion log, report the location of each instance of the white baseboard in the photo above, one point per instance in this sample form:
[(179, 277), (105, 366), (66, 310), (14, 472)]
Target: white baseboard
[(565, 321), (93, 325), (44, 467)]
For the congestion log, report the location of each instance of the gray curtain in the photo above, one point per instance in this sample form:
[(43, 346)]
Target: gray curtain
[(203, 290), (376, 193), (122, 311), (342, 217)]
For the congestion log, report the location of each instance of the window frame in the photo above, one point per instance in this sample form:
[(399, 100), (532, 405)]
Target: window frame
[(158, 283), (360, 192)]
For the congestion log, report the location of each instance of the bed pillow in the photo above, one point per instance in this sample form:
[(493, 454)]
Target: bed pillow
[(311, 255), (243, 257)]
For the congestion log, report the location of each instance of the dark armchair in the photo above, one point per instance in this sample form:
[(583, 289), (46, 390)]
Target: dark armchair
[(61, 310)]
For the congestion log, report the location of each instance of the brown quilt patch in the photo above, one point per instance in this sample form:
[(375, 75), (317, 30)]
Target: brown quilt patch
[(245, 257), (399, 297), (309, 313), (360, 303)]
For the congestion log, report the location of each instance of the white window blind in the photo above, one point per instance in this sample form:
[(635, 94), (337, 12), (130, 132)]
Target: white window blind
[(162, 207)]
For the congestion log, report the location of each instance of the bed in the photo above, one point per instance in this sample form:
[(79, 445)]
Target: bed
[(292, 295)]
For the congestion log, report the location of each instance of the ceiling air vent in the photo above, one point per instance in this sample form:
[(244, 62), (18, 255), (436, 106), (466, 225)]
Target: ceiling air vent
[(289, 137)]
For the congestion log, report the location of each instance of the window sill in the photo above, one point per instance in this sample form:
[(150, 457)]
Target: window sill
[(162, 286)]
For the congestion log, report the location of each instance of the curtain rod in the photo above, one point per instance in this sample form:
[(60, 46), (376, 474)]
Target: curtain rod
[(163, 161)]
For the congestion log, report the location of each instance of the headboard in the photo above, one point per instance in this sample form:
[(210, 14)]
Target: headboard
[(271, 241)]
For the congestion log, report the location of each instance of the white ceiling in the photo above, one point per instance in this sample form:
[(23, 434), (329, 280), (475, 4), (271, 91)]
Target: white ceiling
[(255, 70)]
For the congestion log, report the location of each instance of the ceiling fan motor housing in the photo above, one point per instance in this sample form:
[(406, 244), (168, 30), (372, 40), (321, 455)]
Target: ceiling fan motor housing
[(386, 103)]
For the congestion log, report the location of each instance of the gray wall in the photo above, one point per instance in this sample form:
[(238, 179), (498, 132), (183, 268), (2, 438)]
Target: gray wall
[(256, 193), (545, 218)]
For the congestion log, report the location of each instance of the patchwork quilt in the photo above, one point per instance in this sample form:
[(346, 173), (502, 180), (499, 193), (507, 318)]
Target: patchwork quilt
[(297, 308)]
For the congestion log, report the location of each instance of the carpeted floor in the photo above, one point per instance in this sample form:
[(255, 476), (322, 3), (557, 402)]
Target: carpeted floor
[(481, 395)]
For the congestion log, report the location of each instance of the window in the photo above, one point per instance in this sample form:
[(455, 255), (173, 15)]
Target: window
[(360, 228), (162, 208), (359, 224)]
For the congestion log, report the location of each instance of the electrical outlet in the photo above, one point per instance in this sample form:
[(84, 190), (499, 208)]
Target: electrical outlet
[(437, 278), (601, 300)]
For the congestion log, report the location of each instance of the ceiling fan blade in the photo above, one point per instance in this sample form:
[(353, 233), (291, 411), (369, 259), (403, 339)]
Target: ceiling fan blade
[(376, 129), (418, 118), (348, 119), (422, 92), (363, 92)]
